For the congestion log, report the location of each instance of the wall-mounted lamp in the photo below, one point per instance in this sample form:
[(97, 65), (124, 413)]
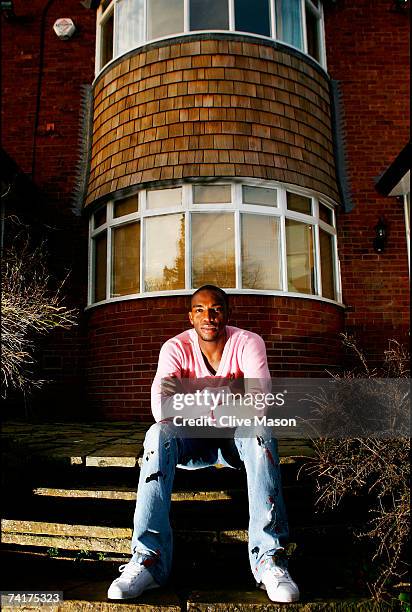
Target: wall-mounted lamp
[(381, 235)]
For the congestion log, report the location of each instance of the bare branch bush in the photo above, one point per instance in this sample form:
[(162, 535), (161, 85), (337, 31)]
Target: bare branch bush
[(378, 466), (30, 307)]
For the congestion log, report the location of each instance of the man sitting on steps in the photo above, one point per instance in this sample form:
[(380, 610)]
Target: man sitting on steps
[(211, 348)]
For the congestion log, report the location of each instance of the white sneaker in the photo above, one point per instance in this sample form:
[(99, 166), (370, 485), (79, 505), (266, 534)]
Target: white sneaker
[(279, 586), (134, 580)]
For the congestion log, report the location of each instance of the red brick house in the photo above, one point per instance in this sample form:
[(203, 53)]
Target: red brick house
[(182, 142)]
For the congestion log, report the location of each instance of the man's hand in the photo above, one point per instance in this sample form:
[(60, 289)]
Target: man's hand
[(171, 385)]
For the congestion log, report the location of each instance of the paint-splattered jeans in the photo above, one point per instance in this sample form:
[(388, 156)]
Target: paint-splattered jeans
[(164, 450)]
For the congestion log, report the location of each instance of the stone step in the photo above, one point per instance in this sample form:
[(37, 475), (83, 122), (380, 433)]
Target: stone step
[(102, 445), (116, 540), (84, 587)]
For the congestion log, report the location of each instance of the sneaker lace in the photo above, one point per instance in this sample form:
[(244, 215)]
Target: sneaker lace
[(131, 569)]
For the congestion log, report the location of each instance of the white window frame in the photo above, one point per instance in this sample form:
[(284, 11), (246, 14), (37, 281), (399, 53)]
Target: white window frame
[(318, 12), (407, 212), (236, 206)]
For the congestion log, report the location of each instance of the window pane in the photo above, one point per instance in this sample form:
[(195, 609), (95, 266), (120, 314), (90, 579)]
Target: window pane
[(252, 20), (129, 25), (326, 262), (300, 259), (326, 214), (126, 259), (165, 253), (312, 34), (259, 195), (99, 217), (209, 15), (126, 206), (288, 20), (100, 267), (260, 252), (213, 250), (107, 40), (299, 203), (164, 198), (212, 194), (165, 17)]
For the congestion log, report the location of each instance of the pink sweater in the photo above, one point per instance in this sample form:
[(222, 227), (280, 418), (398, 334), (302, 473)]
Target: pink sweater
[(244, 356)]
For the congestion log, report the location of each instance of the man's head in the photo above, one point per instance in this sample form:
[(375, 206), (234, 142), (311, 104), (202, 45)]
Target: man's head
[(209, 312)]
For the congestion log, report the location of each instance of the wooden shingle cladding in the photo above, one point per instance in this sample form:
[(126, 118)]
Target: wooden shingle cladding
[(211, 108)]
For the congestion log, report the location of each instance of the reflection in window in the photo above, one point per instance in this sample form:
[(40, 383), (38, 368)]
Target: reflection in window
[(165, 17), (326, 263), (259, 195), (209, 15), (300, 257), (100, 217), (212, 194), (213, 250), (325, 213), (312, 34), (130, 22), (126, 206), (125, 259), (164, 267), (260, 252), (256, 20), (299, 203), (164, 198), (288, 22), (106, 40), (100, 266)]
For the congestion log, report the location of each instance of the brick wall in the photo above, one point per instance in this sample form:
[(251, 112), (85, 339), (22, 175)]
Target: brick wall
[(368, 52), (211, 108), (301, 335)]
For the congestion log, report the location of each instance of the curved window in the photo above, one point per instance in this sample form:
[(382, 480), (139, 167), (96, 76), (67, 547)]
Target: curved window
[(256, 236), (123, 25)]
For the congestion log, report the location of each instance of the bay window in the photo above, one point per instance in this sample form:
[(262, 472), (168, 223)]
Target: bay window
[(252, 236), (124, 25)]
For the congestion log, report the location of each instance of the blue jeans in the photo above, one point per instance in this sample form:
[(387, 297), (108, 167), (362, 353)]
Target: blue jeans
[(164, 450)]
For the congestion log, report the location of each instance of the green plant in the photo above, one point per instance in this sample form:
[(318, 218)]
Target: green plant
[(53, 552)]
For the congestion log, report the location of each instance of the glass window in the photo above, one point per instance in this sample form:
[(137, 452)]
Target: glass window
[(212, 194), (312, 34), (288, 22), (256, 20), (300, 257), (126, 259), (325, 213), (164, 253), (126, 206), (100, 217), (259, 195), (164, 198), (209, 15), (129, 25), (251, 223), (260, 252), (299, 203), (100, 267), (164, 17), (106, 40), (213, 250), (326, 262)]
